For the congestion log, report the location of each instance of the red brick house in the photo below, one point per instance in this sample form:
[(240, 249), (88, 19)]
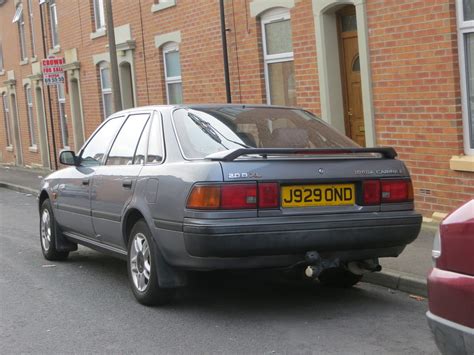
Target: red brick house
[(384, 72)]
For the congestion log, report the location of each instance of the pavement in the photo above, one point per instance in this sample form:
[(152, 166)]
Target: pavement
[(406, 273)]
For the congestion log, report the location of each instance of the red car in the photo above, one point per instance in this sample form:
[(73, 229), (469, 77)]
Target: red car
[(451, 283)]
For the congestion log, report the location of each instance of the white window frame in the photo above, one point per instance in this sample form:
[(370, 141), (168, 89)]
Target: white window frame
[(6, 114), (464, 27), (29, 111), (99, 14), (62, 115), (20, 20), (104, 91), (274, 15), (54, 25), (30, 13), (168, 48), (1, 58)]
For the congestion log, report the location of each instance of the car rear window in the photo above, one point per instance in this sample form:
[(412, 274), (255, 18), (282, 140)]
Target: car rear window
[(204, 131)]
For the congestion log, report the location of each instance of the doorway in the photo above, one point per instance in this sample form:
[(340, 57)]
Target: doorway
[(350, 74), (16, 131)]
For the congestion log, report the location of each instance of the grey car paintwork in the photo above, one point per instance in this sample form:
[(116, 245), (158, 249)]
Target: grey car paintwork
[(159, 193)]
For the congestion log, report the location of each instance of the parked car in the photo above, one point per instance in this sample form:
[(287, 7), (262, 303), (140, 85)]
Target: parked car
[(451, 283), (177, 188)]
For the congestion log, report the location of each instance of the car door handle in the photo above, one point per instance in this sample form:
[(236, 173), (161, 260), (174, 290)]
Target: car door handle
[(127, 183), (85, 181)]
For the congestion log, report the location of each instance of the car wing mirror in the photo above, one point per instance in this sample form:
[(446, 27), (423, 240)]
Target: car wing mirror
[(68, 157)]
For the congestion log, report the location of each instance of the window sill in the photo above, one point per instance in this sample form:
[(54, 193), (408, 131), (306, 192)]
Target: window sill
[(55, 50), (164, 4), (2, 72), (33, 149), (34, 59), (9, 148), (24, 61), (101, 32), (462, 163)]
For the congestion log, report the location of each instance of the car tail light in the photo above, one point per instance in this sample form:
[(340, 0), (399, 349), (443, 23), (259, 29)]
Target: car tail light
[(397, 190), (386, 191), (371, 192), (205, 197), (436, 251), (268, 195), (238, 196), (234, 196)]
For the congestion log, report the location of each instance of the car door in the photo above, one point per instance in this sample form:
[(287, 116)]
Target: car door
[(73, 199), (114, 183)]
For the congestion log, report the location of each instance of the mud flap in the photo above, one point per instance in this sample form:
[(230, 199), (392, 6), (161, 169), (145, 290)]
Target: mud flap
[(168, 276)]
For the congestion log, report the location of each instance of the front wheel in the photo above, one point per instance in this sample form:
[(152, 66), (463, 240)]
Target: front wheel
[(339, 277), (48, 234), (142, 272)]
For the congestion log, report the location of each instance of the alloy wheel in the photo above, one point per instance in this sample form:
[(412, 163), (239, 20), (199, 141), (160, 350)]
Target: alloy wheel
[(140, 262), (46, 229)]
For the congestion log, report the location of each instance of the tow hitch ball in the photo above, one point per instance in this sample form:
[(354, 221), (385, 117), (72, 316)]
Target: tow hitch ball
[(317, 265)]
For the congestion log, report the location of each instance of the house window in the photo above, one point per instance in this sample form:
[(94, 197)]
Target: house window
[(19, 19), (278, 57), (6, 117), (465, 12), (32, 34), (53, 18), (62, 115), (106, 88), (29, 110), (1, 58), (99, 17), (172, 65)]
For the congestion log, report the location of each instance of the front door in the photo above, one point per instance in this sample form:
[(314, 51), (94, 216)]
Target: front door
[(350, 63)]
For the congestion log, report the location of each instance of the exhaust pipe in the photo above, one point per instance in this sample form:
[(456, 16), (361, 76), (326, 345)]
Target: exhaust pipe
[(364, 266)]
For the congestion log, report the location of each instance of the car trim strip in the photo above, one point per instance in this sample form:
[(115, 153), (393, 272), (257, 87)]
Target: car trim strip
[(106, 215), (74, 209), (168, 225)]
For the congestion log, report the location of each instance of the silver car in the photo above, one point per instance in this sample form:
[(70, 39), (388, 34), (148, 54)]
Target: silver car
[(207, 187)]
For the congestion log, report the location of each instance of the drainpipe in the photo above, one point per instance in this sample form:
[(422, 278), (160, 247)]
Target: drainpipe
[(49, 102), (114, 74), (224, 52)]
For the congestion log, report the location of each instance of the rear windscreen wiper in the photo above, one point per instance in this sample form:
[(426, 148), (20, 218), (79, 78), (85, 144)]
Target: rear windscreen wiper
[(206, 127)]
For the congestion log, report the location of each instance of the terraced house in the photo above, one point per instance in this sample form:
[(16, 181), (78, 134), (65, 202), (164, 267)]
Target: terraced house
[(384, 72)]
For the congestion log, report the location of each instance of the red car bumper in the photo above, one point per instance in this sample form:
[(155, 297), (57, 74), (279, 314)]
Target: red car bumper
[(451, 311)]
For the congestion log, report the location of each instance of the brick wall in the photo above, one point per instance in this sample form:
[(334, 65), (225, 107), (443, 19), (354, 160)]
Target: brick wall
[(416, 94)]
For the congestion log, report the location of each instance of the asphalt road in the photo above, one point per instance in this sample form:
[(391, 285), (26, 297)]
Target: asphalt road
[(84, 305)]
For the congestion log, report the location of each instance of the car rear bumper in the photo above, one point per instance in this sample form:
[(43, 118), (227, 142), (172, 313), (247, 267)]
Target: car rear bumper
[(450, 337), (283, 241)]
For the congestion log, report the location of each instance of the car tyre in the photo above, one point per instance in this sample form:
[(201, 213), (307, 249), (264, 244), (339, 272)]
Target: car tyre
[(48, 234), (142, 268), (339, 278)]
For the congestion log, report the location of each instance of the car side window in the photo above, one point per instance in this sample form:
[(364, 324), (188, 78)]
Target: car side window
[(140, 154), (155, 142), (96, 148), (124, 146)]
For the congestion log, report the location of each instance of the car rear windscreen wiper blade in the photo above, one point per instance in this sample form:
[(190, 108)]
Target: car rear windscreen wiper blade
[(206, 128)]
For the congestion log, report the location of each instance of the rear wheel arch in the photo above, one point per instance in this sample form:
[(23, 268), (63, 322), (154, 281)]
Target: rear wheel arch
[(131, 217)]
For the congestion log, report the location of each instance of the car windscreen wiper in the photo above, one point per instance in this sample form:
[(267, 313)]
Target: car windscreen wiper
[(213, 132), (206, 128)]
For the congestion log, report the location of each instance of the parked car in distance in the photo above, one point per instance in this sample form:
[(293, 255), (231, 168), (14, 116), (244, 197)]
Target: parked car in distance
[(216, 187), (451, 283)]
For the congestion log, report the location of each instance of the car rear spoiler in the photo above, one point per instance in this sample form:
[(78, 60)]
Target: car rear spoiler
[(230, 155)]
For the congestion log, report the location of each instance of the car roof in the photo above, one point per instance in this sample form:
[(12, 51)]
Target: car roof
[(197, 106)]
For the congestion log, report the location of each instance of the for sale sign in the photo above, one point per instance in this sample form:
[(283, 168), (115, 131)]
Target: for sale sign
[(53, 72)]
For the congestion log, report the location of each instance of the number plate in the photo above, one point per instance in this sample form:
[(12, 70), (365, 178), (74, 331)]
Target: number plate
[(317, 195)]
